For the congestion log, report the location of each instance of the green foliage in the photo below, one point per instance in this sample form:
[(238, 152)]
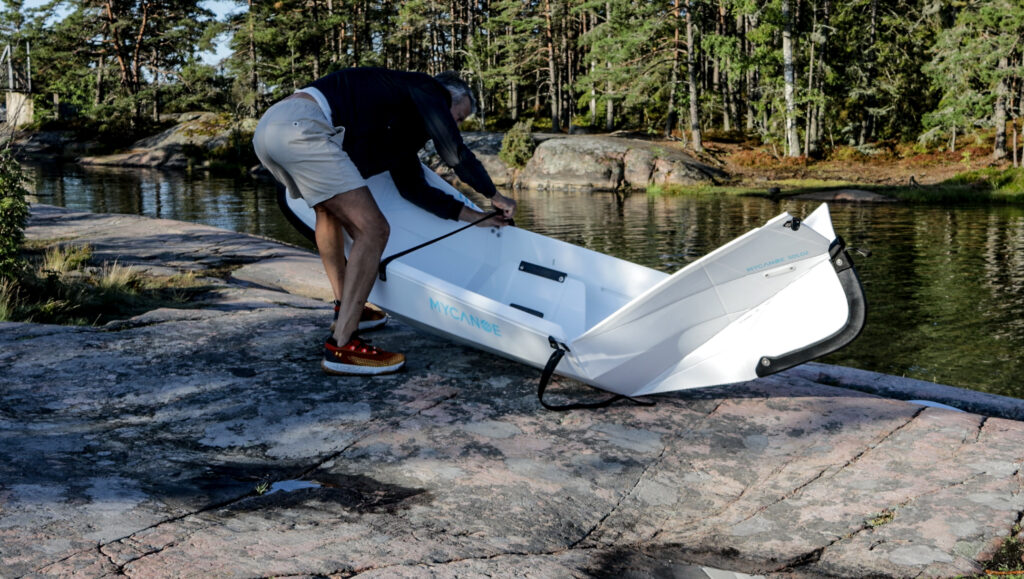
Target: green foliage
[(971, 59), (517, 147), (1009, 558), (13, 214), (865, 71)]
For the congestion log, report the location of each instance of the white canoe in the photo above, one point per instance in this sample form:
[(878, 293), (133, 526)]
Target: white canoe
[(777, 296)]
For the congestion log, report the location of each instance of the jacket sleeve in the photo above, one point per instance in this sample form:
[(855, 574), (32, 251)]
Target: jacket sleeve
[(448, 142), (407, 172)]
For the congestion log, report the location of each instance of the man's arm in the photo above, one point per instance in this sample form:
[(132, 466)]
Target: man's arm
[(448, 142), (407, 173)]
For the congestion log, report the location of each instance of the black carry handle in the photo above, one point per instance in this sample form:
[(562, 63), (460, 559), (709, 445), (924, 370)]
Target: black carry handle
[(383, 267), (549, 369)]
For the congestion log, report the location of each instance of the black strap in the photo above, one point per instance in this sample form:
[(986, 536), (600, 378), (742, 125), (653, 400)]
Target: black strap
[(383, 267), (549, 369)]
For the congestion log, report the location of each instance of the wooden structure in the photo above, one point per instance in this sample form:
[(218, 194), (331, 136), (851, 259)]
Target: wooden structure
[(18, 88)]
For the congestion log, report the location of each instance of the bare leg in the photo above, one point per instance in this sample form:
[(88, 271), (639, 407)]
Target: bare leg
[(330, 242), (358, 214)]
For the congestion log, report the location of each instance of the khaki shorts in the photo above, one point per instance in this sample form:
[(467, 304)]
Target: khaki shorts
[(303, 151)]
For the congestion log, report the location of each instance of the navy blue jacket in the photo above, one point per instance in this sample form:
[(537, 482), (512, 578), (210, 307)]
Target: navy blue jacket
[(388, 116)]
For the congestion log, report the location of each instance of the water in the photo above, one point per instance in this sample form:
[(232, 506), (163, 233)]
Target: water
[(945, 285)]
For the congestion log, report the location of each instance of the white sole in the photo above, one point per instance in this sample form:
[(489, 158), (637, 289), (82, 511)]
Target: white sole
[(354, 370), (373, 325)]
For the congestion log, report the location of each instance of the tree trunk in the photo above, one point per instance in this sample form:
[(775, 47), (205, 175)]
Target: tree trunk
[(356, 36), (809, 123), (670, 121), (1015, 164), (609, 111), (333, 47), (156, 90), (722, 71), (100, 65), (691, 72), (753, 91), (999, 117), (552, 66), (788, 72), (514, 100), (254, 81)]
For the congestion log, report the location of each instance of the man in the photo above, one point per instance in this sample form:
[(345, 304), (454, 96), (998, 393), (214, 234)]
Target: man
[(324, 140)]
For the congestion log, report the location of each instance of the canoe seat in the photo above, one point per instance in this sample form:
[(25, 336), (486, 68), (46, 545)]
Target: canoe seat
[(547, 293)]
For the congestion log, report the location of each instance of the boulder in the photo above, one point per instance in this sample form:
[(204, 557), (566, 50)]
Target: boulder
[(178, 147), (485, 146), (606, 162), (51, 145)]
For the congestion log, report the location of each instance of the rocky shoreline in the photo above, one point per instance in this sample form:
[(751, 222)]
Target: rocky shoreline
[(560, 161), (151, 447)]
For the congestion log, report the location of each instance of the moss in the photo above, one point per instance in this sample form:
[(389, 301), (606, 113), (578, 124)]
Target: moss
[(883, 518)]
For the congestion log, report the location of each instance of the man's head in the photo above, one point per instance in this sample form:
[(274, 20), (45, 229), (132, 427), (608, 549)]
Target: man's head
[(463, 101)]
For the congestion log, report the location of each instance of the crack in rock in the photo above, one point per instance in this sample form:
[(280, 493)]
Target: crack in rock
[(817, 477), (811, 557), (227, 503), (643, 474)]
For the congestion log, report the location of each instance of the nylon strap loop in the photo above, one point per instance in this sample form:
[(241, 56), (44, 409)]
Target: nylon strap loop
[(549, 370)]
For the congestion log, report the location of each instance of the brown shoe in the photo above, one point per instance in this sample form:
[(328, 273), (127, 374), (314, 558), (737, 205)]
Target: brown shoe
[(359, 358), (370, 319)]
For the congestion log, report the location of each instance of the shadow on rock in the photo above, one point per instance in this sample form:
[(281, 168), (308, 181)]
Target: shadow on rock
[(356, 493)]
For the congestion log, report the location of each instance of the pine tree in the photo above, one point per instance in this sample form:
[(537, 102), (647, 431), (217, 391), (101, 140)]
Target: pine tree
[(972, 67)]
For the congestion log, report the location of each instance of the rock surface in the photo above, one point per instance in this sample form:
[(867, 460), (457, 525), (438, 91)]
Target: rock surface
[(486, 147), (560, 161), (138, 449), (195, 135), (605, 162)]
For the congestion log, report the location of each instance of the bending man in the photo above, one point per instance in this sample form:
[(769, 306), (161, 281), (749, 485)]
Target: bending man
[(324, 140)]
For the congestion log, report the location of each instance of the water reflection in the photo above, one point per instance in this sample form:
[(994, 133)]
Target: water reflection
[(235, 203), (945, 286)]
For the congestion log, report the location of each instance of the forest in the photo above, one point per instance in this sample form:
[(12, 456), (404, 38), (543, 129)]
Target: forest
[(801, 76)]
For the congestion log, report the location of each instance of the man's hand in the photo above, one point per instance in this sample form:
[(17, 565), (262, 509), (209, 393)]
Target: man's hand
[(471, 215), (507, 205)]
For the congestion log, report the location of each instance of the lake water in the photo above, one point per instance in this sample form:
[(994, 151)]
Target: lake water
[(945, 285)]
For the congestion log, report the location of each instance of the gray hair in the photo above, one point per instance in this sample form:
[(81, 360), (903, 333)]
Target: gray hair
[(458, 88)]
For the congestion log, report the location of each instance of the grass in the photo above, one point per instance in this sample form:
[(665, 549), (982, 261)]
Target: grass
[(61, 286), (1000, 183), (63, 259), (981, 186), (8, 299)]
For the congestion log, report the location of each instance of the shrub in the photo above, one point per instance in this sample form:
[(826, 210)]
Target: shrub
[(517, 146), (13, 214)]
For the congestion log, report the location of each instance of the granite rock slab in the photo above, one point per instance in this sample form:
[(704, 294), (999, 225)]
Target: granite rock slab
[(155, 447)]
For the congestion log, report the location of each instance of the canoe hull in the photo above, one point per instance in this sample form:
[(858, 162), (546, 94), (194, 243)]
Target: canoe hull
[(768, 300)]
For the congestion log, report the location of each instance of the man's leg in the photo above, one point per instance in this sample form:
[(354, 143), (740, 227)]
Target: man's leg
[(330, 242), (357, 213)]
